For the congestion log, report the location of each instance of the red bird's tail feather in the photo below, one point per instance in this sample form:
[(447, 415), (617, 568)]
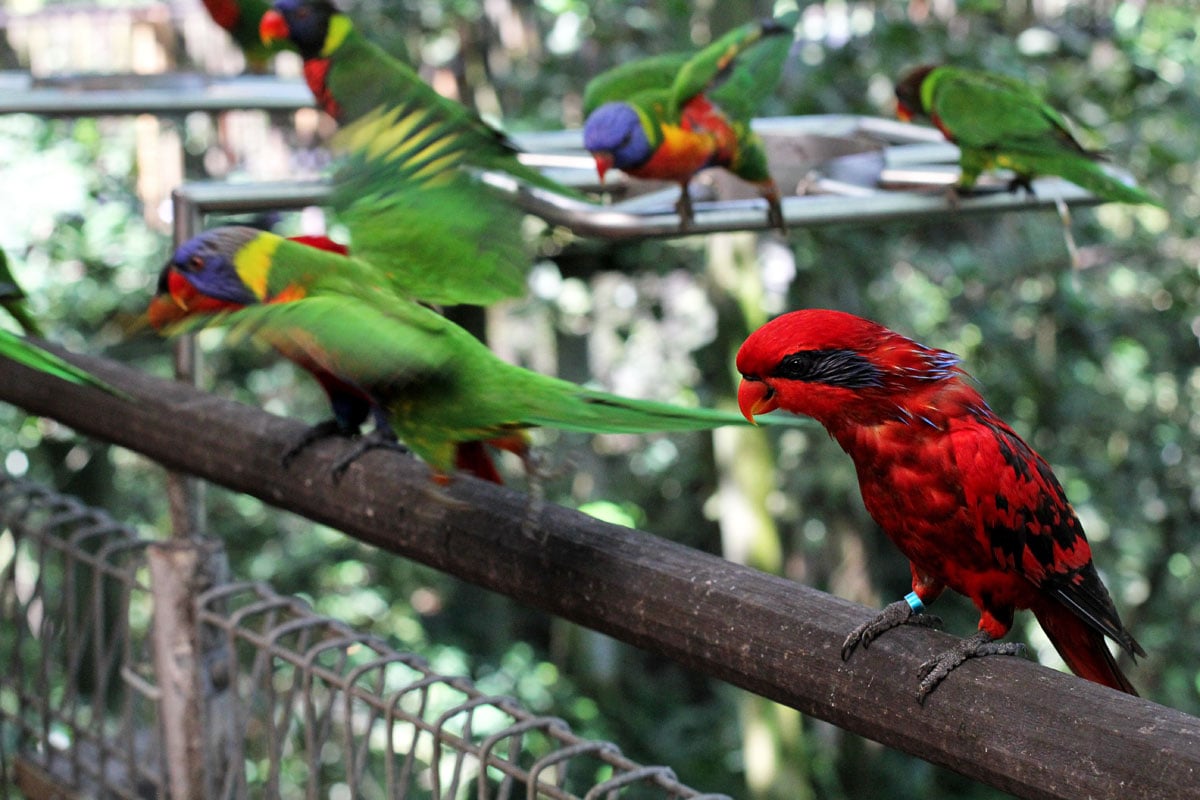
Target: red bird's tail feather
[(1082, 647)]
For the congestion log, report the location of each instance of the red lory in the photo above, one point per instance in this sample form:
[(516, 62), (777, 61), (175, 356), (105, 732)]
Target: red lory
[(966, 500), (668, 117), (350, 77), (999, 121)]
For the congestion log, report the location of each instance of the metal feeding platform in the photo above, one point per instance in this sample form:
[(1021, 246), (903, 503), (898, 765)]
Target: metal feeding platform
[(831, 168)]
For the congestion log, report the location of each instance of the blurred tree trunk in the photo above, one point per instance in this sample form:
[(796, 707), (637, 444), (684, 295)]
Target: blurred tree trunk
[(773, 745)]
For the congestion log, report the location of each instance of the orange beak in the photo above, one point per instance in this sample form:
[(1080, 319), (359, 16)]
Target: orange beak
[(903, 113), (273, 28), (754, 398), (164, 310), (604, 162)]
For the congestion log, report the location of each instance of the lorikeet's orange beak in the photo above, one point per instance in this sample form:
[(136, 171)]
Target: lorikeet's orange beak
[(903, 113), (754, 398), (163, 311), (273, 28), (604, 162)]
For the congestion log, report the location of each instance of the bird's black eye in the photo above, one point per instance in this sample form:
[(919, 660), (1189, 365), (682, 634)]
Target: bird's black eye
[(194, 264), (302, 12), (844, 368)]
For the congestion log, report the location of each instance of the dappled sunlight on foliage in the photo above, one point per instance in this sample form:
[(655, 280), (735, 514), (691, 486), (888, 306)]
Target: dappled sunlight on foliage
[(1096, 362)]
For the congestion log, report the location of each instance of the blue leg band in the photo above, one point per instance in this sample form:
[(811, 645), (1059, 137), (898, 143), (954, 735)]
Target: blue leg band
[(914, 602)]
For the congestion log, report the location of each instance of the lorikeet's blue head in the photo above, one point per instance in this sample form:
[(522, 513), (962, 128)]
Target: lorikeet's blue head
[(305, 23), (615, 136), (206, 264)]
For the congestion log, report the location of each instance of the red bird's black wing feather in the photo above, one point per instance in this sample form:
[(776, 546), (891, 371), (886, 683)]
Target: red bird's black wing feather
[(1026, 521)]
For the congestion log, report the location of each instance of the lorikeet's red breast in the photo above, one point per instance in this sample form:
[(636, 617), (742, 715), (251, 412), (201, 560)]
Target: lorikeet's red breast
[(703, 138), (970, 504)]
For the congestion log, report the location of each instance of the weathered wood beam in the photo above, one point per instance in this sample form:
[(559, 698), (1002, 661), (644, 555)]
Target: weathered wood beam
[(1008, 722)]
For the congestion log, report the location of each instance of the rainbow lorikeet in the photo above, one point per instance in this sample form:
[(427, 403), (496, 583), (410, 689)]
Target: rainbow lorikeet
[(407, 205), (439, 386), (352, 77), (25, 352), (970, 504), (668, 117), (240, 19), (998, 121)]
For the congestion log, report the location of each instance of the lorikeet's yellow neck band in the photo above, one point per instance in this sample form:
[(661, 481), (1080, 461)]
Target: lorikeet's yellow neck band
[(253, 262), (339, 26)]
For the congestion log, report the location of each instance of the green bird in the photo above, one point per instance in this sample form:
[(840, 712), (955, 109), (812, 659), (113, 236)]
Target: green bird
[(241, 19), (351, 77), (998, 121), (422, 228), (668, 117), (25, 352), (439, 386)]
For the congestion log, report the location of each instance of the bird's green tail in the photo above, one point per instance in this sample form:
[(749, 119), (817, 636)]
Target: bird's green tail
[(599, 412), (1091, 175)]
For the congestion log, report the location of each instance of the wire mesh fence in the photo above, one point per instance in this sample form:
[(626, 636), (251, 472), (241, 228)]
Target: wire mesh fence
[(292, 704)]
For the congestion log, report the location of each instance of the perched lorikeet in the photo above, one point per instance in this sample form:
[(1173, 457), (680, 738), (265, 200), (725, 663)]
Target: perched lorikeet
[(970, 504), (670, 116), (440, 386), (25, 352), (241, 18), (998, 121), (352, 77)]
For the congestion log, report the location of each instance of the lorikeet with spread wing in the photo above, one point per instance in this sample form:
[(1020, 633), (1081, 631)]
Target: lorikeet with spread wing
[(407, 204), (670, 116), (352, 77), (25, 352), (241, 18), (440, 386), (998, 121), (970, 504)]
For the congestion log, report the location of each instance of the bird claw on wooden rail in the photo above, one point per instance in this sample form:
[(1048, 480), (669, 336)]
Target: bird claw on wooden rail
[(935, 670), (893, 616)]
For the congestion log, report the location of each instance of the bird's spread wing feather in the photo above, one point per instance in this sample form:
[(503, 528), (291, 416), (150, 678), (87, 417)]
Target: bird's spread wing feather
[(367, 342), (364, 79), (433, 231), (740, 69)]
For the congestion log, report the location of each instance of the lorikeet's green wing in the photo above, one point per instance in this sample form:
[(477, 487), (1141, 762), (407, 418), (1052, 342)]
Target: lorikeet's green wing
[(12, 298), (624, 82), (430, 228), (994, 111), (740, 69), (362, 79)]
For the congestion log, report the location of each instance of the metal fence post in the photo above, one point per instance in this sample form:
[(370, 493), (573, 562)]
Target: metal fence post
[(191, 669)]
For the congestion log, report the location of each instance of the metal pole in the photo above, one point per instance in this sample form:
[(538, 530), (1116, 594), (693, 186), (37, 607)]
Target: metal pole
[(185, 494)]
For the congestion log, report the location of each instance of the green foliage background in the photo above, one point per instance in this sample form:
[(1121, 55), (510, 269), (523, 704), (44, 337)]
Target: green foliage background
[(1096, 366)]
